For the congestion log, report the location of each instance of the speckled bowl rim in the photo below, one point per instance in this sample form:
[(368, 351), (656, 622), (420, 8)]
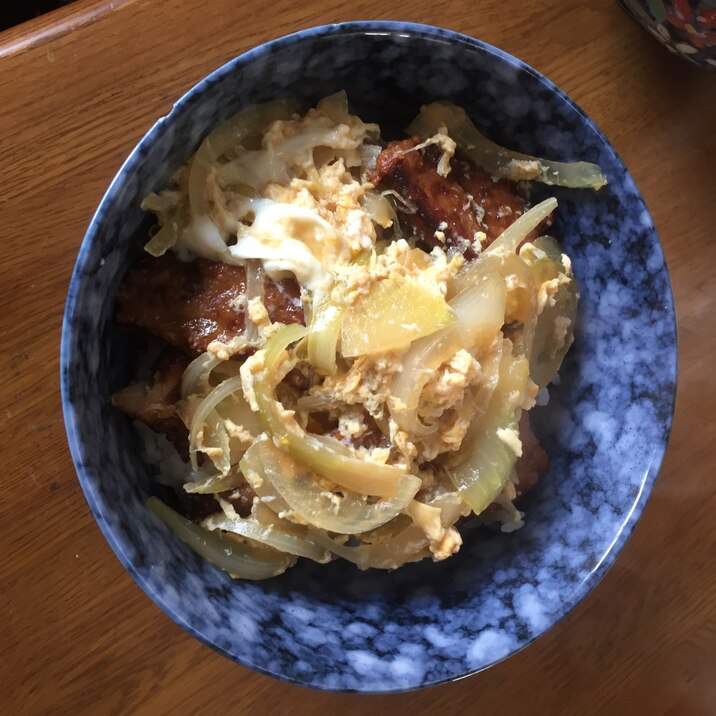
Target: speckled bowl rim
[(128, 167)]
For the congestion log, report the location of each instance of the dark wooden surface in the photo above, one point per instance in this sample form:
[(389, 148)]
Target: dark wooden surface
[(78, 88), (14, 13)]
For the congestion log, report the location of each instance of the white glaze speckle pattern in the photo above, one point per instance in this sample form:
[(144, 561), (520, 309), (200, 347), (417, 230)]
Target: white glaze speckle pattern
[(605, 427)]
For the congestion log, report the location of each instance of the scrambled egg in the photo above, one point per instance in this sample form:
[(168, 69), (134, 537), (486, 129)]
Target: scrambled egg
[(300, 203), (367, 382)]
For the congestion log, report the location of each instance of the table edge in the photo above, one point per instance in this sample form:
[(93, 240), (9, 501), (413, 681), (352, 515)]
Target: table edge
[(54, 24)]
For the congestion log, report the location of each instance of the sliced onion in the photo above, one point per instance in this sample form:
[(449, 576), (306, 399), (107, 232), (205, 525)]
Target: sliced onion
[(161, 204), (319, 453), (269, 518), (253, 471), (523, 295), (226, 136), (164, 239), (368, 155), (394, 313), (239, 560), (206, 413), (279, 341), (226, 369), (379, 209), (254, 289), (274, 537), (195, 379), (216, 443), (266, 467), (485, 461), (316, 403), (238, 411), (516, 233), (406, 546), (406, 206), (547, 351), (480, 312), (169, 210), (497, 160), (214, 484), (490, 377), (335, 107), (323, 337)]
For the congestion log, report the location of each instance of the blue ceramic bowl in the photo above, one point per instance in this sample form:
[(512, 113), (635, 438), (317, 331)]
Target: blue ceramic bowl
[(606, 427)]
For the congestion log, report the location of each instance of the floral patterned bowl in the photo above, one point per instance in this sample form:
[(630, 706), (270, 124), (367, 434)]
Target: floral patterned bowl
[(685, 27), (605, 428)]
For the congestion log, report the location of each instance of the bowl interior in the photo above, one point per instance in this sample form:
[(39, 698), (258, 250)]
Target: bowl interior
[(605, 427)]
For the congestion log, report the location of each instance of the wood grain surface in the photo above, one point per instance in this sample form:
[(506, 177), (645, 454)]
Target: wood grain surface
[(77, 90)]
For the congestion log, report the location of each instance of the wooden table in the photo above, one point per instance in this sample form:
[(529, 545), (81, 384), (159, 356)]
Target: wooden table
[(78, 88)]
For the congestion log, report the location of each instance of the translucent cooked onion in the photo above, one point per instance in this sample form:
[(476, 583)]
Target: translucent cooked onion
[(163, 203), (485, 461), (254, 289), (267, 468), (368, 155), (226, 136), (516, 233), (522, 287), (323, 336), (214, 484), (331, 458), (490, 375), (379, 209), (307, 147), (522, 301), (253, 471), (237, 410), (206, 414), (272, 536), (406, 206), (225, 369), (195, 379), (169, 210), (275, 347), (408, 544), (216, 443), (335, 106), (319, 453), (554, 329), (393, 314), (316, 403), (497, 160), (164, 239), (479, 312), (240, 560)]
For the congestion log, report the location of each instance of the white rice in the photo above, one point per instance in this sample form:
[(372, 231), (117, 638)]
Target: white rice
[(160, 454)]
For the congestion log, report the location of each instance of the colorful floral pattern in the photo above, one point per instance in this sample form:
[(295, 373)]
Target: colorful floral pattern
[(685, 27)]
